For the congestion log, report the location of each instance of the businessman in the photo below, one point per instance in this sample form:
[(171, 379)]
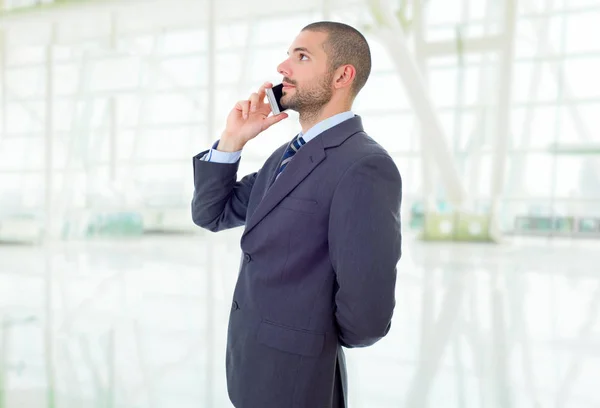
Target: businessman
[(322, 229)]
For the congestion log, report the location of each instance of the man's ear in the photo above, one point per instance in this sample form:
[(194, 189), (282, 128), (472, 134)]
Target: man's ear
[(344, 76)]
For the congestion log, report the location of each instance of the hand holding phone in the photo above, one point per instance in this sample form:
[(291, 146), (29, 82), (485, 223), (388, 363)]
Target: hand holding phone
[(248, 119)]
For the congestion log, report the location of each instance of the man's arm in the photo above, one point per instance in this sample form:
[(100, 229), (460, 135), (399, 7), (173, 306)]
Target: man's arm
[(219, 202), (365, 247)]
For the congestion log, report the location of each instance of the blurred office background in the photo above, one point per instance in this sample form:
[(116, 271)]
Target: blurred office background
[(111, 297)]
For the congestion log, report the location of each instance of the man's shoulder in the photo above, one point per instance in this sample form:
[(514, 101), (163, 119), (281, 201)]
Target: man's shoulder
[(361, 145)]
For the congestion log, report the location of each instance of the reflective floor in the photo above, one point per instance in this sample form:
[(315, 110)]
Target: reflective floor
[(142, 323)]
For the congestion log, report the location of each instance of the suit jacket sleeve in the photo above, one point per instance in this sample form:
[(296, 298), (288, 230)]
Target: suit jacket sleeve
[(365, 247), (219, 202)]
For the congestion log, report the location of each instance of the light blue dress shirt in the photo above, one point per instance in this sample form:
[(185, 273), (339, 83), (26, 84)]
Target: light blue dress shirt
[(216, 156)]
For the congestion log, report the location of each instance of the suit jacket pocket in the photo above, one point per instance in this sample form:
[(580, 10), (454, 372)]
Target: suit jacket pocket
[(299, 204), (291, 340)]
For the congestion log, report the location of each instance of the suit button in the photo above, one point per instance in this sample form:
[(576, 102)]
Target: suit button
[(235, 305), (247, 258)]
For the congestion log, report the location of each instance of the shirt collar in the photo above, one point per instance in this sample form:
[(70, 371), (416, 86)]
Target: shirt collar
[(326, 124)]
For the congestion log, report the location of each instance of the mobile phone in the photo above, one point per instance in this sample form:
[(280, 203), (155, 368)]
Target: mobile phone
[(274, 95)]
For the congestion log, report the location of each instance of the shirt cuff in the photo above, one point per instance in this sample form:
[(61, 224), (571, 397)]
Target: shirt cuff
[(216, 156)]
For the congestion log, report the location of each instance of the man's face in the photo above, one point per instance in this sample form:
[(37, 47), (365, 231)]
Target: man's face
[(306, 72)]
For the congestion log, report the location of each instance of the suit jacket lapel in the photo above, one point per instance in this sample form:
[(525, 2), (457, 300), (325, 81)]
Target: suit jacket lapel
[(303, 163)]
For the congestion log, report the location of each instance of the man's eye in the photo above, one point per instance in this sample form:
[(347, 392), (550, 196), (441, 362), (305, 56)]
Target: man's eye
[(303, 55)]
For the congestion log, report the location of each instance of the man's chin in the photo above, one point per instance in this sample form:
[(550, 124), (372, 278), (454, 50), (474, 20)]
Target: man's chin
[(286, 105)]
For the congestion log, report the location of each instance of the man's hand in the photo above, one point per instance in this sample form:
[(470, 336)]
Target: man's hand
[(247, 120)]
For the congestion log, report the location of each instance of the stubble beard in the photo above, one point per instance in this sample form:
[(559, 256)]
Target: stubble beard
[(309, 103)]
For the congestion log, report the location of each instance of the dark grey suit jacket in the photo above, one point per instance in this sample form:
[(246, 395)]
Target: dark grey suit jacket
[(318, 268)]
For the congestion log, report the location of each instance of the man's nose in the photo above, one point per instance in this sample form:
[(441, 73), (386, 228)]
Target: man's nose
[(283, 69)]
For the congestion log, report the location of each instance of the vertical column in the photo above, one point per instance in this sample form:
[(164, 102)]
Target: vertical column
[(504, 108), (426, 159), (560, 102), (112, 106), (461, 66), (210, 257), (477, 138), (49, 186), (48, 133)]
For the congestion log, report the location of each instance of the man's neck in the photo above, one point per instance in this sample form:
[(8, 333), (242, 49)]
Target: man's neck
[(309, 119)]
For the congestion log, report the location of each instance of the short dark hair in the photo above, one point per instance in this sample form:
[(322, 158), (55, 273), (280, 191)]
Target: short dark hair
[(345, 45)]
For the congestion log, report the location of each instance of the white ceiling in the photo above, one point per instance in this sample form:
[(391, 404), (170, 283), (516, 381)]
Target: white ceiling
[(92, 18)]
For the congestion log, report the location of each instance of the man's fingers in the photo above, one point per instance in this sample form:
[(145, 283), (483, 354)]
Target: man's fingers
[(262, 90), (256, 102), (253, 102), (271, 120), (243, 106)]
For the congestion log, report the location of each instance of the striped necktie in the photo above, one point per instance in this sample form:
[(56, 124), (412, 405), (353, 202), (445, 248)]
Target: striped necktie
[(296, 144)]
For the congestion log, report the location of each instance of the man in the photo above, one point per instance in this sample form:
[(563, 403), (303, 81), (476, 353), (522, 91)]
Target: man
[(322, 229)]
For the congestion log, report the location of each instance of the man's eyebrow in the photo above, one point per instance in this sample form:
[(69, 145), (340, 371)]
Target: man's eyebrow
[(300, 49)]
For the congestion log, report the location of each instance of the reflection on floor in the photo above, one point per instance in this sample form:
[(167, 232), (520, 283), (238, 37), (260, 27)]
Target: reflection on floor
[(142, 324)]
